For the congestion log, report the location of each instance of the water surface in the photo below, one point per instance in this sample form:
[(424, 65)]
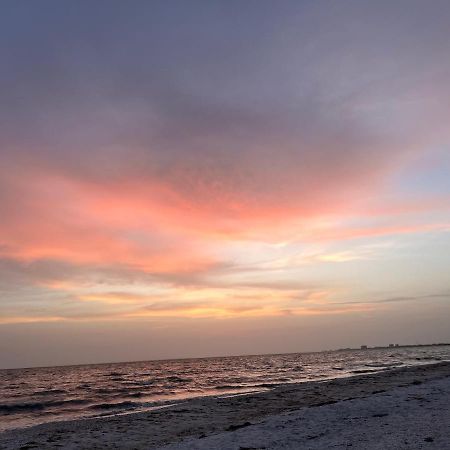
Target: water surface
[(39, 395)]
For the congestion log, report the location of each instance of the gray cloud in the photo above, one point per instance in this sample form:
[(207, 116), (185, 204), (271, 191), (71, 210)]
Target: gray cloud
[(444, 295), (221, 101)]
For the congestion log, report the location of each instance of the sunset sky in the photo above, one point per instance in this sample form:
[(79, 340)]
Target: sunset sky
[(194, 178)]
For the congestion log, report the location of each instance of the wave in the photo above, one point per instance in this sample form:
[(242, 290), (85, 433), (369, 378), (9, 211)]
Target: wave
[(363, 371), (428, 358), (135, 394), (264, 385), (175, 379), (223, 387), (125, 404), (11, 408), (227, 386), (382, 364), (141, 382), (50, 392)]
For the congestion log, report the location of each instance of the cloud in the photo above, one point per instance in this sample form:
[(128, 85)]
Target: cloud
[(200, 303), (148, 151), (400, 299), (130, 120)]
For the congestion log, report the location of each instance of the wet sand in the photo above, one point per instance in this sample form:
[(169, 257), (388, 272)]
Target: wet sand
[(398, 408)]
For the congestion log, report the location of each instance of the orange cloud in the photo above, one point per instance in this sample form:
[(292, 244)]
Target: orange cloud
[(153, 226)]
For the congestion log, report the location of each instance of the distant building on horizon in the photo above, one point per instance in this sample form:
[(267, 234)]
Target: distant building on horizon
[(363, 347)]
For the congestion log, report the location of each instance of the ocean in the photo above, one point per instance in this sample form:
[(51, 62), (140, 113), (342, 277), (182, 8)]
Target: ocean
[(39, 395)]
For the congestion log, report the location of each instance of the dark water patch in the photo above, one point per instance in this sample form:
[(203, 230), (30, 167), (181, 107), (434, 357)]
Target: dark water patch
[(223, 387), (12, 408), (363, 371), (175, 379), (236, 427), (141, 382), (123, 405), (103, 391), (135, 394), (50, 392), (265, 385), (428, 358)]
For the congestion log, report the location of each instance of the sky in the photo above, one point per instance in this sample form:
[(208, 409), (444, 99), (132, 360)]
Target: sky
[(186, 179)]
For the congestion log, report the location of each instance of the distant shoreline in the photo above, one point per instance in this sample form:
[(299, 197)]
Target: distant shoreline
[(391, 347), (440, 344)]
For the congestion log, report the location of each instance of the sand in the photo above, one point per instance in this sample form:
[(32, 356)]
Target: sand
[(401, 408), (415, 417)]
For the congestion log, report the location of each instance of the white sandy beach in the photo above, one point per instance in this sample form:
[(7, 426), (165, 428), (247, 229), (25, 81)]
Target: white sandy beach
[(404, 408), (415, 417)]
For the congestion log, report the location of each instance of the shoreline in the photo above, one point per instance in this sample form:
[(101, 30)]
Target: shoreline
[(202, 417)]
